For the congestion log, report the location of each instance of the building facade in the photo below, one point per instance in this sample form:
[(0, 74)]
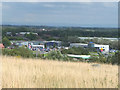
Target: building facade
[(99, 47)]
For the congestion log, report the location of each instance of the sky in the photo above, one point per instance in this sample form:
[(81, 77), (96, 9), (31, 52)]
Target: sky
[(79, 14)]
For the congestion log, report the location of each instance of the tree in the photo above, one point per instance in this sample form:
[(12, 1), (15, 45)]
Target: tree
[(31, 36), (76, 51), (22, 51), (73, 39), (115, 58), (6, 42), (45, 45), (57, 55), (54, 45)]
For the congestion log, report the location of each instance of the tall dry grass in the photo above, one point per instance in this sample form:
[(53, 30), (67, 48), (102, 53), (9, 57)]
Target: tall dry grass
[(35, 73)]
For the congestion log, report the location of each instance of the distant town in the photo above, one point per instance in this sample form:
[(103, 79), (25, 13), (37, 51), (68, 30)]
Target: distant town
[(76, 43)]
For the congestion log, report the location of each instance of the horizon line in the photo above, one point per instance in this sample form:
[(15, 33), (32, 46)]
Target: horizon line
[(57, 26)]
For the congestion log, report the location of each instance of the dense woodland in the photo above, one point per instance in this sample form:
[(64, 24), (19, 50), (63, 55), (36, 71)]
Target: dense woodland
[(63, 31)]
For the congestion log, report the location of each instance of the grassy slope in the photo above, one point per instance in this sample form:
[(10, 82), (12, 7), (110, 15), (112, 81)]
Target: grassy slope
[(24, 73)]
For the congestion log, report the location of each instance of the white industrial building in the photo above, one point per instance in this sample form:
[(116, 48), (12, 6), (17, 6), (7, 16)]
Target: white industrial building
[(99, 38), (78, 45), (103, 48), (38, 46), (23, 33)]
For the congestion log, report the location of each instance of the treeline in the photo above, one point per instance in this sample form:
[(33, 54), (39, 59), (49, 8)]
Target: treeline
[(76, 51), (21, 51), (108, 60), (65, 32), (81, 33), (27, 53), (62, 56), (15, 30)]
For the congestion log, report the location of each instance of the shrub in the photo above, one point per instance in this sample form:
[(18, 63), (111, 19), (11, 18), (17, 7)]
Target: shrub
[(76, 51), (115, 58), (22, 51), (57, 55), (6, 42), (99, 59)]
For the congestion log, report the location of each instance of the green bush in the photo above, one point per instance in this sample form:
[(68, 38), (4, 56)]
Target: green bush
[(76, 51), (31, 36), (6, 42), (109, 60), (56, 55), (115, 59), (22, 51)]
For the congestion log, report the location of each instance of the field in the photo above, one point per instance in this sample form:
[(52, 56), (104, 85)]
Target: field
[(35, 73)]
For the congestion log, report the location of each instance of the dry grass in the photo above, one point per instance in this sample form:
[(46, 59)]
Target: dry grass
[(29, 73)]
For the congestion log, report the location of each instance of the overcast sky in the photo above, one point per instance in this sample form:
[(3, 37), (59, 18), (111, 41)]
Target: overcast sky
[(87, 14)]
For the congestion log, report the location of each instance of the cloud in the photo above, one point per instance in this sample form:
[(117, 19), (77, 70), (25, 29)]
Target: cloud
[(60, 0), (52, 13), (49, 5), (0, 4), (110, 5), (53, 5), (0, 13), (6, 6)]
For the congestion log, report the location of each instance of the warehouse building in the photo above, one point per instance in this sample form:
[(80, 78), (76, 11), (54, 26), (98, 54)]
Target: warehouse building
[(99, 47), (78, 45)]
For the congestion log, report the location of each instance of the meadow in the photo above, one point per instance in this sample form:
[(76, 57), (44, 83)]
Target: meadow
[(35, 73)]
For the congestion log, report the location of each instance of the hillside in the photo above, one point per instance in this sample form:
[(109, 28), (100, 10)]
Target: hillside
[(34, 73)]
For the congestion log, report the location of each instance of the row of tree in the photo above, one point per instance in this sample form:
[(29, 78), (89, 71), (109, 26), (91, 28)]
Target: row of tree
[(76, 51), (21, 51), (63, 31), (109, 60), (57, 55)]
